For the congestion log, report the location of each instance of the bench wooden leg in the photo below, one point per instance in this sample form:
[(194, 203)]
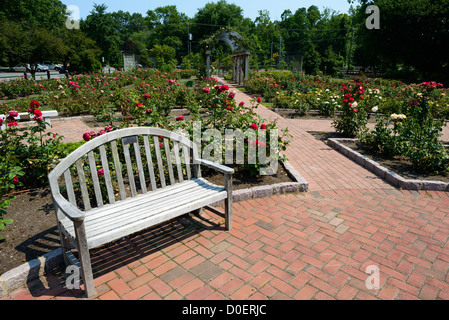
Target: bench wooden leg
[(84, 257), (228, 202)]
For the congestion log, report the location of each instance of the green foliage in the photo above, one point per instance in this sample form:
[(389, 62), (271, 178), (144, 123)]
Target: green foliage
[(312, 61), (413, 40), (414, 135)]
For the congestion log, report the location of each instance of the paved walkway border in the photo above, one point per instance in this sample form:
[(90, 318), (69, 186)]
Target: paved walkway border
[(384, 173)]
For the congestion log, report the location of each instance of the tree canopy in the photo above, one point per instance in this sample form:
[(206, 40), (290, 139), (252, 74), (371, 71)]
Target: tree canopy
[(411, 40)]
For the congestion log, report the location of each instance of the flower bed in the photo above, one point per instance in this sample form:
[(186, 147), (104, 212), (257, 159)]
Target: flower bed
[(303, 93), (387, 172)]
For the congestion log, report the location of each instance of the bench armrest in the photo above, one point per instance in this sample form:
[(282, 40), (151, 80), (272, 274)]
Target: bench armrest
[(68, 209), (216, 166)]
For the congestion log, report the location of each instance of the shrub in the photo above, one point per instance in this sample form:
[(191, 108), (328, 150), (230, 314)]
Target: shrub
[(354, 116)]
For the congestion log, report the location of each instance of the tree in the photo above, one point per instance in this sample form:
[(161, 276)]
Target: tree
[(79, 51), (47, 14), (331, 62), (412, 34), (312, 60), (164, 55), (104, 30), (169, 27), (214, 16)]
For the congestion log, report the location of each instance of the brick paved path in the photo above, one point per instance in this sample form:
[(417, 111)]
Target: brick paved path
[(314, 245)]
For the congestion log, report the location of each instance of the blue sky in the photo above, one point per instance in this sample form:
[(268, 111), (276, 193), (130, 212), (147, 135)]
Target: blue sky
[(190, 7)]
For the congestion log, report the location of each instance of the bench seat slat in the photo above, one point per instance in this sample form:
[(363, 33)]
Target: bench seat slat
[(159, 161), (169, 162), (132, 217), (94, 175), (118, 169), (134, 214), (111, 212), (150, 163), (83, 185)]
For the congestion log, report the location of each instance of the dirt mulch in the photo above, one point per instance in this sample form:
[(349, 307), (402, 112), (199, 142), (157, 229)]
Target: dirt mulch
[(311, 115), (34, 232)]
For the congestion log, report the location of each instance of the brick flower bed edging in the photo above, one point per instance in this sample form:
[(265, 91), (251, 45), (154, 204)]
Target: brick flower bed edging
[(33, 269), (384, 173)]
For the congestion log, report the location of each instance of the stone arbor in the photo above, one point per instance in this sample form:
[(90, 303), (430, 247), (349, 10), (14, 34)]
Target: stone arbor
[(240, 66), (240, 56)]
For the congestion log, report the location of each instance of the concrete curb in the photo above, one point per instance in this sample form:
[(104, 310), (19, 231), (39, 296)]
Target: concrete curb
[(33, 269), (384, 173), (29, 271)]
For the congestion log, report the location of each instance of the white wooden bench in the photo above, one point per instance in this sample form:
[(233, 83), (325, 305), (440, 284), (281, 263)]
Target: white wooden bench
[(46, 115), (162, 181)]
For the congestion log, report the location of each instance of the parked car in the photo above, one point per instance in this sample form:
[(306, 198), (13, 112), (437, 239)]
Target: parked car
[(50, 65), (41, 68), (20, 68), (58, 66)]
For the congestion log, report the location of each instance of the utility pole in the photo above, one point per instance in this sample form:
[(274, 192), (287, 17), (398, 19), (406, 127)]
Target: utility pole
[(188, 38), (350, 48), (280, 48)]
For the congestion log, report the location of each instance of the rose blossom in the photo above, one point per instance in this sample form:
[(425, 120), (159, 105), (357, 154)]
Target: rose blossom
[(86, 136)]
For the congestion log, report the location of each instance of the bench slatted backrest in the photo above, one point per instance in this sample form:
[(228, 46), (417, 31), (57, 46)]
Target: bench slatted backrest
[(133, 161)]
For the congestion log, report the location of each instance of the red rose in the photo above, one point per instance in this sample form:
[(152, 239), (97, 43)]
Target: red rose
[(254, 126), (34, 104), (37, 113), (263, 126), (86, 136), (258, 143)]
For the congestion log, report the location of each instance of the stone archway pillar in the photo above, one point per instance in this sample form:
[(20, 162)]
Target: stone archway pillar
[(208, 63), (240, 66)]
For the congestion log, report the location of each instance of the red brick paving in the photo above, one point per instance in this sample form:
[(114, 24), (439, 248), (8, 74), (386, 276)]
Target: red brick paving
[(314, 245)]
